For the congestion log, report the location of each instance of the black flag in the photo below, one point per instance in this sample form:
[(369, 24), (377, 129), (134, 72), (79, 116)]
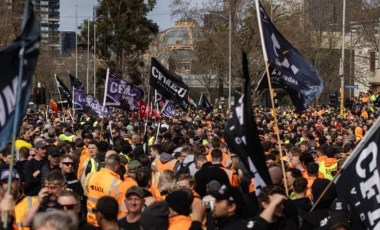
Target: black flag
[(293, 72), (243, 138), (63, 90), (168, 84), (205, 104), (76, 83), (359, 181), (27, 44)]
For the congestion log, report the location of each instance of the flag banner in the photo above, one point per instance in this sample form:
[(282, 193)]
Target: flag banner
[(359, 181), (144, 109), (293, 71), (243, 139), (87, 103), (157, 97), (191, 102), (76, 83), (53, 105), (168, 84), (122, 94), (27, 42), (169, 109), (63, 90), (204, 103)]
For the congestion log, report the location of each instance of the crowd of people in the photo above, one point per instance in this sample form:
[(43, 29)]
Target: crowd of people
[(124, 172)]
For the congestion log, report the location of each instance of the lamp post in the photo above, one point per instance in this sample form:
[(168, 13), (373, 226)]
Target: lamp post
[(341, 67)]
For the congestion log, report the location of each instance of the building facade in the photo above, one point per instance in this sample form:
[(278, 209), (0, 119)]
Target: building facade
[(48, 12)]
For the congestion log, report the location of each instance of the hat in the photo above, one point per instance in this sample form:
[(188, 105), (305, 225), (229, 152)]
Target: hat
[(54, 151), (87, 135), (130, 129), (135, 190), (231, 194), (213, 186), (5, 174), (180, 201), (135, 164), (41, 144), (339, 215), (155, 216)]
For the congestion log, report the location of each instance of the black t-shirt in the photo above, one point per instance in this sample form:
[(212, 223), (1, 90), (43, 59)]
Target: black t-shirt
[(129, 226)]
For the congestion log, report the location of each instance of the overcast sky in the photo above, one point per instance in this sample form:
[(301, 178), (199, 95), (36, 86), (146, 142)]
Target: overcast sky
[(161, 13)]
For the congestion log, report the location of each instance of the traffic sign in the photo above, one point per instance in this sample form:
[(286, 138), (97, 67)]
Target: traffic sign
[(351, 86)]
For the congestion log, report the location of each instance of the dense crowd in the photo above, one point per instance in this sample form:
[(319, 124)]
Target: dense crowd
[(125, 172)]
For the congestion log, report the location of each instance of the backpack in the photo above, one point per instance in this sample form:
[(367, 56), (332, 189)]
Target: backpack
[(184, 168)]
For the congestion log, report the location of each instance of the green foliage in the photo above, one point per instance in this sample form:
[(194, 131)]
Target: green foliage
[(123, 34)]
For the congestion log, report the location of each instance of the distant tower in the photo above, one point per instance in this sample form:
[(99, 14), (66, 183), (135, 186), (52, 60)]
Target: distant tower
[(48, 12)]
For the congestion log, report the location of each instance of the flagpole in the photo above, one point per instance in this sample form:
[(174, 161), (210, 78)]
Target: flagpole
[(76, 40), (94, 57), (271, 91), (72, 102), (88, 53), (158, 131), (104, 100), (17, 107)]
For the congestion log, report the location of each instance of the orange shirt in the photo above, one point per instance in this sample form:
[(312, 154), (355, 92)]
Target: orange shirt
[(179, 222)]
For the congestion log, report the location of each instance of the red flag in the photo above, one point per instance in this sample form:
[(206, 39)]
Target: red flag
[(54, 105), (143, 110)]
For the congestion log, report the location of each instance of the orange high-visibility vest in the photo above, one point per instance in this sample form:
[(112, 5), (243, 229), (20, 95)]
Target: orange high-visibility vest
[(85, 154), (21, 208), (105, 182), (165, 166)]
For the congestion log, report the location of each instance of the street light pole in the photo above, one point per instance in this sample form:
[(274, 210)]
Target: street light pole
[(341, 68), (229, 59)]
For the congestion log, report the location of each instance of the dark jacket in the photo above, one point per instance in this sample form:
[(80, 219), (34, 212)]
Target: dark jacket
[(207, 173), (33, 184), (231, 223), (46, 170), (282, 223), (318, 217)]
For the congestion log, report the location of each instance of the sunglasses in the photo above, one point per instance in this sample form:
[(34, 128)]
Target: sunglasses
[(95, 210), (68, 163), (69, 206)]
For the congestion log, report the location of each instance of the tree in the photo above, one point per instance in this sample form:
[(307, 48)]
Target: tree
[(123, 35)]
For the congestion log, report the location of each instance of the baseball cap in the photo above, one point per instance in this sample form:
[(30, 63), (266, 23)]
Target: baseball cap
[(231, 194), (41, 144), (135, 164), (6, 172), (135, 190), (54, 151)]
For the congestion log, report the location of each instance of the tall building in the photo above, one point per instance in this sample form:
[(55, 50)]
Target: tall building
[(48, 12), (67, 41)]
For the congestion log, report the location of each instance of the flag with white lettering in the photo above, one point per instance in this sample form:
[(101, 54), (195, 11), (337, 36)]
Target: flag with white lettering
[(168, 84), (76, 83), (293, 72), (87, 103), (63, 90), (169, 109), (359, 181), (22, 51), (122, 94), (205, 104), (242, 136)]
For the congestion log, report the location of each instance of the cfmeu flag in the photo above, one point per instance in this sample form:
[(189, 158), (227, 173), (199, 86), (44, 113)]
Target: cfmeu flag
[(122, 94), (243, 138), (359, 181), (168, 84), (288, 67), (22, 52), (76, 83)]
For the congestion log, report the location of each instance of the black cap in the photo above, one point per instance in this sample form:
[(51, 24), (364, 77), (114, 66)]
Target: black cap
[(231, 194)]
